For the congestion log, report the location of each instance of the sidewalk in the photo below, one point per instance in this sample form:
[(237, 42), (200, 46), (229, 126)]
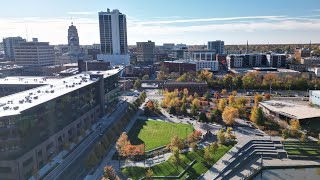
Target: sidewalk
[(149, 162), (108, 159)]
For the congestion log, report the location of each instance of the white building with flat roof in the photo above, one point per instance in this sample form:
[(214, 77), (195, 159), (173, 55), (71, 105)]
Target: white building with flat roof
[(34, 54), (288, 111), (209, 65)]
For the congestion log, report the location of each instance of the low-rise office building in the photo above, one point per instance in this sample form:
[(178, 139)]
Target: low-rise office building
[(145, 53), (34, 54), (35, 124)]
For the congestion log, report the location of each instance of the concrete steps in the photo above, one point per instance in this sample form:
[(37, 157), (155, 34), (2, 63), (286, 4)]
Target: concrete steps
[(251, 150)]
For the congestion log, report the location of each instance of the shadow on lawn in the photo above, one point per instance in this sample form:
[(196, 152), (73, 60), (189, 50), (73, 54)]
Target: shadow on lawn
[(135, 130)]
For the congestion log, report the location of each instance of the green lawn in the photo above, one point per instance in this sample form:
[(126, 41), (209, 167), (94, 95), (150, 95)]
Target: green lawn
[(157, 133), (169, 168), (302, 148)]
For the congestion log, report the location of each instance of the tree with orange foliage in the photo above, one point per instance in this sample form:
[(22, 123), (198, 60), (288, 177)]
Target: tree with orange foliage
[(132, 150), (150, 105), (122, 143), (267, 96), (194, 137)]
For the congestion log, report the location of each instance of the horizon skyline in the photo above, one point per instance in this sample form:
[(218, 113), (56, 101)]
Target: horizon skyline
[(261, 24)]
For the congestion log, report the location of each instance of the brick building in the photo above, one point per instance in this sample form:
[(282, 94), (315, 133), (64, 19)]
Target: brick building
[(180, 66), (198, 87)]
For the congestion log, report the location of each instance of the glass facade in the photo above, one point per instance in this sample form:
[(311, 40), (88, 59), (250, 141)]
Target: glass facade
[(23, 132)]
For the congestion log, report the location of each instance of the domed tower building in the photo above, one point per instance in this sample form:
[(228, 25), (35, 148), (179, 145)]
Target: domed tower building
[(73, 40)]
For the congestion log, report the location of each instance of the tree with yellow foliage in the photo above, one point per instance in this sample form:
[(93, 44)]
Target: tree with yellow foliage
[(234, 93), (270, 80), (229, 114), (294, 125), (222, 104), (185, 92), (190, 98), (257, 98), (231, 100), (205, 75), (224, 92), (196, 102)]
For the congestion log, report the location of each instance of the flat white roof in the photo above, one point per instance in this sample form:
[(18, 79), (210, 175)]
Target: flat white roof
[(16, 103), (296, 111), (28, 80)]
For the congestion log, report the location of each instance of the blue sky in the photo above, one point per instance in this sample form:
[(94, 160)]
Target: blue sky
[(177, 21)]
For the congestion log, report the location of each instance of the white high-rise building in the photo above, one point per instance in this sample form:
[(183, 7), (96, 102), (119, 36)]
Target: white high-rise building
[(8, 46), (113, 37), (34, 54), (217, 45)]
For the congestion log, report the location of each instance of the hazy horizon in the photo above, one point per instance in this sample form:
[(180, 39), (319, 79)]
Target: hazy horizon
[(192, 23)]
